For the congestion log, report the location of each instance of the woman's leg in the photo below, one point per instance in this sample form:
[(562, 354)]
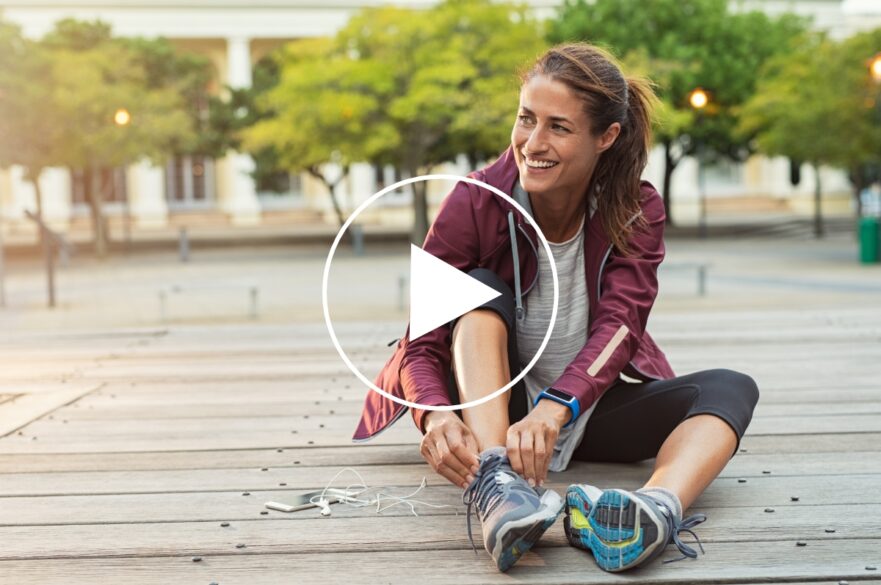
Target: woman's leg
[(693, 455), (480, 367), (691, 424)]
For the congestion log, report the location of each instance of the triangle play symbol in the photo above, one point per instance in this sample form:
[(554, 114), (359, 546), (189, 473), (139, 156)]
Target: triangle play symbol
[(439, 292)]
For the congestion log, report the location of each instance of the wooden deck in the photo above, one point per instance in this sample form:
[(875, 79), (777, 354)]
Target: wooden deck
[(123, 452)]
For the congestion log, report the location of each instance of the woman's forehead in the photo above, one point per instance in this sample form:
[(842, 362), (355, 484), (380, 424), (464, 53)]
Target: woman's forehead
[(550, 98)]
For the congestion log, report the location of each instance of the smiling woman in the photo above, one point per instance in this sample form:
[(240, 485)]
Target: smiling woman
[(578, 148), (575, 104)]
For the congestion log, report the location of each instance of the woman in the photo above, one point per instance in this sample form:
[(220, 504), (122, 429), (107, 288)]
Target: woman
[(578, 148)]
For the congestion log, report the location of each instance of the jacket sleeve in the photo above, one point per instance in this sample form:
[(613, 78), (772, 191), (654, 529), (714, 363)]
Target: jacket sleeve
[(629, 285), (425, 366)]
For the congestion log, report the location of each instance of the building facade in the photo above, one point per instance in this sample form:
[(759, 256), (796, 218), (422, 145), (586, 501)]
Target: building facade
[(236, 34)]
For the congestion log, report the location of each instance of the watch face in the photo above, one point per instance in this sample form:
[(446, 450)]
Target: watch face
[(561, 395)]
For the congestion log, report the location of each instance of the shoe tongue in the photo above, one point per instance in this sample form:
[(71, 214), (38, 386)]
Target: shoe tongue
[(503, 477), (500, 451)]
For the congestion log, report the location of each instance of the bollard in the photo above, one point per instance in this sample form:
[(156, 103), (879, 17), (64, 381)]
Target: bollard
[(358, 239), (402, 285), (183, 245), (253, 295)]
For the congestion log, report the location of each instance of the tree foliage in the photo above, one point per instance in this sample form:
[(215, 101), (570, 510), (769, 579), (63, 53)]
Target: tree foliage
[(403, 87), (819, 105), (60, 97), (682, 45)]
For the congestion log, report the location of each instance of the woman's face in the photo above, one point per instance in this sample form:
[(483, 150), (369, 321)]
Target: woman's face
[(553, 145)]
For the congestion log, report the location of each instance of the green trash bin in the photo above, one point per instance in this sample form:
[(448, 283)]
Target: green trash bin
[(870, 240)]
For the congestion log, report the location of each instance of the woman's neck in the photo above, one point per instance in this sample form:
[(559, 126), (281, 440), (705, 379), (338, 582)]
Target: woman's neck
[(558, 217)]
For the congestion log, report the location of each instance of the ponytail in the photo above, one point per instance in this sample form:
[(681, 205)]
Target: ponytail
[(594, 75)]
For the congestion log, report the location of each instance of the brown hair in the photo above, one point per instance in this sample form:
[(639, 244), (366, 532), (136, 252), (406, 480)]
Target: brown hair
[(594, 75)]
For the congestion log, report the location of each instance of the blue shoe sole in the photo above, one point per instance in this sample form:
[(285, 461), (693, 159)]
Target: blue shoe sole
[(627, 532), (575, 522), (618, 530)]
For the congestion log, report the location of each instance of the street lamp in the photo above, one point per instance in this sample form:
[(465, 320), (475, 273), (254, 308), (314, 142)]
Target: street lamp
[(698, 99), (875, 68), (122, 117)]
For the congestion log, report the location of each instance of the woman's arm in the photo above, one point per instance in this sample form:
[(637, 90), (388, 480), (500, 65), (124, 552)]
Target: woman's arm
[(452, 238)]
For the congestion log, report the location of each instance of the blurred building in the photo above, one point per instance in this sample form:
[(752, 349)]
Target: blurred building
[(236, 34)]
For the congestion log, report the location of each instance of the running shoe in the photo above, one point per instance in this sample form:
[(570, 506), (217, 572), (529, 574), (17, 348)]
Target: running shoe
[(513, 515), (580, 501), (625, 529)]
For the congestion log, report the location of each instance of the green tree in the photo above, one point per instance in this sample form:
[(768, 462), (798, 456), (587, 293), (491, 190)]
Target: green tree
[(92, 77), (403, 87), (323, 109), (29, 125), (682, 45), (818, 105)]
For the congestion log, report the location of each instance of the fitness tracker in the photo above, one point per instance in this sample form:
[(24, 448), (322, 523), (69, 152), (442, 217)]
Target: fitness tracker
[(562, 398)]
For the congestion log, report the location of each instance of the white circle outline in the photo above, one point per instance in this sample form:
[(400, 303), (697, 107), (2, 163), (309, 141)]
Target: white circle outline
[(326, 309)]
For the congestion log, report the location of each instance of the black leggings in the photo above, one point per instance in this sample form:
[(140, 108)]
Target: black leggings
[(632, 420)]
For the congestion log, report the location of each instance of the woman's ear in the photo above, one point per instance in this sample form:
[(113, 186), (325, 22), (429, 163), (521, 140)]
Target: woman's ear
[(608, 137)]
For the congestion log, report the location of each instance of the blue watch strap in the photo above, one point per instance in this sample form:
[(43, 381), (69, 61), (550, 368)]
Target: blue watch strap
[(558, 397)]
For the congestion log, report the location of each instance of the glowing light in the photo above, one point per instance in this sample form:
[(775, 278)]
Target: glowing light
[(122, 117), (698, 99), (875, 68)]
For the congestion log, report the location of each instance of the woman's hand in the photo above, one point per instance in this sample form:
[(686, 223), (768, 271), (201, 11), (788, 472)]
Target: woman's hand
[(531, 440), (450, 448)]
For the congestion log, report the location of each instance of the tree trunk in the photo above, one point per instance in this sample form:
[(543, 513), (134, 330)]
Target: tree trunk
[(420, 210), (331, 188), (818, 203), (856, 179), (34, 178), (669, 166), (95, 206)]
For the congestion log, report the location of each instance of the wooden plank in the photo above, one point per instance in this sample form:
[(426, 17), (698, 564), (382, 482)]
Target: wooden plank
[(208, 439), (25, 408), (744, 562), (852, 423), (359, 455), (774, 491), (341, 424), (123, 409), (374, 533), (796, 454), (300, 475)]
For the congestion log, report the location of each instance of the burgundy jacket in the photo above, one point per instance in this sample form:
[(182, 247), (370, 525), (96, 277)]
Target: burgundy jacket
[(476, 228)]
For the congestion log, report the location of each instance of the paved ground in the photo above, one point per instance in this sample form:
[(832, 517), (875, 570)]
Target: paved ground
[(123, 291)]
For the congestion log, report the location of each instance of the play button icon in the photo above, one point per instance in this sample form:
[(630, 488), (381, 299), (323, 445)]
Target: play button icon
[(439, 292)]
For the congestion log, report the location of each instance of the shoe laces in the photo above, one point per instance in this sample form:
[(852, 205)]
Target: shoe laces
[(685, 525), (484, 491)]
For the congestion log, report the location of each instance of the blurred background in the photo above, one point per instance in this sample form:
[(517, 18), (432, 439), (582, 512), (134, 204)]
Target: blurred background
[(193, 160)]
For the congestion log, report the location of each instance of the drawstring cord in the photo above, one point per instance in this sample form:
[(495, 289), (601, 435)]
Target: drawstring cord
[(517, 300)]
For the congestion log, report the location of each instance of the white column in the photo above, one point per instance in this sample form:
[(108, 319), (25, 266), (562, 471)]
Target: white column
[(146, 195), (236, 190), (362, 178), (55, 184)]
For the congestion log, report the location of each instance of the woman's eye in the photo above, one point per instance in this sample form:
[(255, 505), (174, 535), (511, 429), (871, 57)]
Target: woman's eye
[(523, 119)]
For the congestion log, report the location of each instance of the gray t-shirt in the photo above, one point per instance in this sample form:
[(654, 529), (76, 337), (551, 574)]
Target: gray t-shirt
[(570, 329)]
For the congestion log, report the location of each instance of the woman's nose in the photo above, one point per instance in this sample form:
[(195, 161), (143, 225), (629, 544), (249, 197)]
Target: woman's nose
[(535, 142)]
